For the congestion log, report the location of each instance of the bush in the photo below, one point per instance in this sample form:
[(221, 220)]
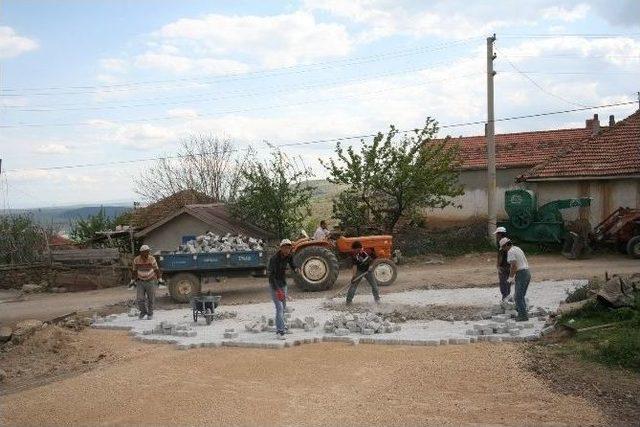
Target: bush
[(416, 241)]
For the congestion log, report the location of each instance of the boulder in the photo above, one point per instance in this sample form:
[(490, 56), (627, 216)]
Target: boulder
[(30, 288), (5, 334), (25, 329)]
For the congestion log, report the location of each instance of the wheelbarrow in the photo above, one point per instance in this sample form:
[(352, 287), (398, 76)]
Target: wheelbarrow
[(204, 305)]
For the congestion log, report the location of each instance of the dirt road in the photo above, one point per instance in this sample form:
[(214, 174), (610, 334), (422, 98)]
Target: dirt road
[(319, 384), (474, 270)]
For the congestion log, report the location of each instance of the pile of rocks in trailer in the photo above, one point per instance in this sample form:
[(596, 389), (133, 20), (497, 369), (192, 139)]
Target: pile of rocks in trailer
[(212, 243), (166, 328), (264, 324), (365, 324)]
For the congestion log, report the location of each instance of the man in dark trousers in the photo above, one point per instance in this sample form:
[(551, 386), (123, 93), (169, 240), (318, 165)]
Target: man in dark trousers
[(519, 271), (278, 284), (503, 264), (362, 260), (146, 276)]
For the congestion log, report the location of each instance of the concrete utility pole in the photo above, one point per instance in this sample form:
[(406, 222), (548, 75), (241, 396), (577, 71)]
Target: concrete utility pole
[(490, 134)]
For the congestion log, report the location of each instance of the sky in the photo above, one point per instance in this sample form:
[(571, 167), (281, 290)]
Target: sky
[(86, 82)]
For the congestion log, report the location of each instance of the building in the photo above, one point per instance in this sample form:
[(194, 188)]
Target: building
[(605, 167), (516, 153), (192, 220)]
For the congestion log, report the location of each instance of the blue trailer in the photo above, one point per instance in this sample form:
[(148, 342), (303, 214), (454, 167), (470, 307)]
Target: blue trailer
[(185, 273)]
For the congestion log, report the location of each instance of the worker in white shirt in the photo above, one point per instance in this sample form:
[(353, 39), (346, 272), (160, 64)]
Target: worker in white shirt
[(322, 232), (519, 270)]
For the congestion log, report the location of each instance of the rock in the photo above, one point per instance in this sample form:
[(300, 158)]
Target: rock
[(30, 288), (5, 334), (25, 329), (3, 376), (62, 289)]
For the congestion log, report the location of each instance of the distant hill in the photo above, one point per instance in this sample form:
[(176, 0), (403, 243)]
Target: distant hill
[(62, 217)]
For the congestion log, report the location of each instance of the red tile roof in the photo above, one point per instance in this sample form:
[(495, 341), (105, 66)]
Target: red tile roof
[(613, 152), (518, 150)]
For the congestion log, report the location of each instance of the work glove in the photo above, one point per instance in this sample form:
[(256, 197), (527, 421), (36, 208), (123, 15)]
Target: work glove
[(280, 295), (132, 284)]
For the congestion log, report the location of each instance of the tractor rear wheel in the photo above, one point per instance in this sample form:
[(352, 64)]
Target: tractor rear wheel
[(318, 268), (633, 247), (183, 286), (384, 271)]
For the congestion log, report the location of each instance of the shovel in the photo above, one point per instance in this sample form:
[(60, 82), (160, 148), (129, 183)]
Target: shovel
[(355, 279)]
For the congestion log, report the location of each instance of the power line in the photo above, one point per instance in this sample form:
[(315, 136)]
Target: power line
[(536, 84), (321, 141), (243, 110), (581, 35), (294, 69)]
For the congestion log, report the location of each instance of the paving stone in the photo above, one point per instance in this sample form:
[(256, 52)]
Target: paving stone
[(494, 338), (444, 341), (341, 331)]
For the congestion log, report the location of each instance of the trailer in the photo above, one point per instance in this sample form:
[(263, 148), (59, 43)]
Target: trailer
[(185, 273)]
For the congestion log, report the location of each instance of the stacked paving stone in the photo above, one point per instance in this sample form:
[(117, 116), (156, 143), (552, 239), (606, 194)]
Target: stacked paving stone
[(166, 328), (365, 324), (134, 312), (230, 333), (265, 324), (212, 243)]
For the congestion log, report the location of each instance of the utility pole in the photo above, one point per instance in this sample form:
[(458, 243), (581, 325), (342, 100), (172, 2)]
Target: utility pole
[(490, 135)]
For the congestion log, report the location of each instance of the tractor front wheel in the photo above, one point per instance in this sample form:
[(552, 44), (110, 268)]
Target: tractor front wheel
[(318, 268), (384, 271), (633, 247)]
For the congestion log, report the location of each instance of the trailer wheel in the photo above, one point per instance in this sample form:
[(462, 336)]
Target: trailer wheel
[(633, 247), (318, 268), (183, 286), (384, 271)]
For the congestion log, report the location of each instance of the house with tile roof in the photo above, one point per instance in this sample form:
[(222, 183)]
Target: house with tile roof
[(605, 167), (516, 153)]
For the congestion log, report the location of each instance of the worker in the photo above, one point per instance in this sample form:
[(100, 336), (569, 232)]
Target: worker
[(146, 276), (322, 232), (362, 260), (519, 270), (278, 284), (503, 264)]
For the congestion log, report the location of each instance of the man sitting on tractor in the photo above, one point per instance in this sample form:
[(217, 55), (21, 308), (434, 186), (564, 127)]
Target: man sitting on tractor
[(362, 260)]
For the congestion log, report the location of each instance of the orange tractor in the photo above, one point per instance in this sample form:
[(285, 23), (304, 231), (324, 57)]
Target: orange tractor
[(318, 260)]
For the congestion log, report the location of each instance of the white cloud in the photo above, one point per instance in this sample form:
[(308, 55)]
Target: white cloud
[(52, 149), (561, 13), (113, 65), (179, 64), (186, 113), (272, 41), (11, 44)]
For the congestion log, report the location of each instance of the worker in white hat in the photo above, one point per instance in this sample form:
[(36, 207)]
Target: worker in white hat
[(146, 276), (502, 264), (518, 272), (278, 283)]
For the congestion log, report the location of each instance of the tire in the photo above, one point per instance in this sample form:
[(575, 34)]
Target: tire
[(183, 286), (318, 268), (633, 247), (384, 271)]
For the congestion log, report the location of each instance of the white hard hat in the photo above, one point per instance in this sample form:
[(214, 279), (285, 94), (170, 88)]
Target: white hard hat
[(500, 230), (144, 248), (285, 242), (504, 241)]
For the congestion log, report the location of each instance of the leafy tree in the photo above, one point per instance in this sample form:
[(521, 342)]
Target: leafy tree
[(275, 195), (22, 241), (394, 177), (83, 230)]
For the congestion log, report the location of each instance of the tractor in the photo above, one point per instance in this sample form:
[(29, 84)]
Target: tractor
[(319, 266)]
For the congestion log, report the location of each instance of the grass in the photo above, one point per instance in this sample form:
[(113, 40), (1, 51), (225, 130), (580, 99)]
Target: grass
[(616, 346)]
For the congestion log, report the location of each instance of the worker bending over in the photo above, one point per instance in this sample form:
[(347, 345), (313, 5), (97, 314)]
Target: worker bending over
[(519, 269), (146, 276), (362, 260), (503, 264), (278, 284)]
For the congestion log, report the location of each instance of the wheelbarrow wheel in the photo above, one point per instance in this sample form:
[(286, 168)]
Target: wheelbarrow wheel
[(208, 316)]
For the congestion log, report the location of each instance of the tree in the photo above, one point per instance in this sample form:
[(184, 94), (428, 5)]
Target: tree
[(23, 241), (394, 177), (275, 195), (83, 230), (205, 163)]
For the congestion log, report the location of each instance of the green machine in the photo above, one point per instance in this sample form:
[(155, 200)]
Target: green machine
[(529, 223)]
